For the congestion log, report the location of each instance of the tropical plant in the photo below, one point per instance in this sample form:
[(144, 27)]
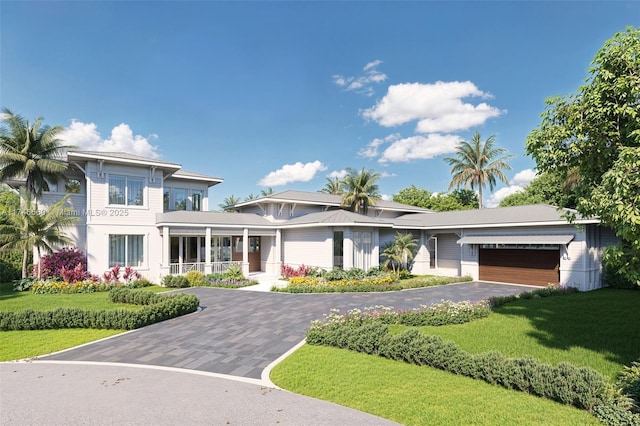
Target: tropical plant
[(31, 151), (592, 139), (360, 190), (228, 203), (333, 186), (399, 252), (31, 227), (478, 164), (267, 192)]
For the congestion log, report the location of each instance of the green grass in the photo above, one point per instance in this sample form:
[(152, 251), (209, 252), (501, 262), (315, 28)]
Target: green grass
[(26, 344), (411, 394), (17, 300), (598, 329)]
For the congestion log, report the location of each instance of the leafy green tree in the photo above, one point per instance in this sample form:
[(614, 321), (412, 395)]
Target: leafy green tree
[(399, 252), (31, 151), (478, 164), (414, 196), (333, 186), (10, 261), (460, 199), (547, 188), (30, 227), (360, 190), (595, 134)]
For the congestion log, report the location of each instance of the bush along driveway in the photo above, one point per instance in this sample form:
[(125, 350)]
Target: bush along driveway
[(241, 333)]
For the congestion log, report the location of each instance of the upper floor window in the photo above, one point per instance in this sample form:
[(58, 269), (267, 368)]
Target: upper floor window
[(196, 200), (72, 186), (179, 199), (124, 190)]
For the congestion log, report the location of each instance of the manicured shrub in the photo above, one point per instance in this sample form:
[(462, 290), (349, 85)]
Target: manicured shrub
[(629, 383), (54, 287), (11, 266), (194, 278), (139, 283), (157, 307), (175, 281), (578, 386)]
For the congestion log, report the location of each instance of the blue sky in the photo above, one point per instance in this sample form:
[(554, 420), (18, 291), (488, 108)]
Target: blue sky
[(286, 94)]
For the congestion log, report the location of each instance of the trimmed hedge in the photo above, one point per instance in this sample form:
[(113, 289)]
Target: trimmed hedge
[(578, 386), (156, 308)]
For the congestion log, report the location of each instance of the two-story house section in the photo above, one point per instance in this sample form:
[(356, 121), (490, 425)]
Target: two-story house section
[(154, 216), (117, 200)]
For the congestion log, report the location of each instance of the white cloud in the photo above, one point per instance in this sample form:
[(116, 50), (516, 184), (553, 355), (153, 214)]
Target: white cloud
[(85, 136), (437, 107), (362, 84), (386, 197), (289, 173), (523, 178), (517, 184), (386, 174), (339, 174), (419, 148), (372, 148)]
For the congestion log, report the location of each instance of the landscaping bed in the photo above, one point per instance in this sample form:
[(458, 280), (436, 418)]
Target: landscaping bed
[(568, 382)]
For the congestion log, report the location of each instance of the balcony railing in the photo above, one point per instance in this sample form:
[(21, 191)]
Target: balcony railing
[(216, 267)]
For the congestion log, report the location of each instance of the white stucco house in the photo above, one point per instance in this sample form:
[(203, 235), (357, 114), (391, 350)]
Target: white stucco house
[(154, 216)]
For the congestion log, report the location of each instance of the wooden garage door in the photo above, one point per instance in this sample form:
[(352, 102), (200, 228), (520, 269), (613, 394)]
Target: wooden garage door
[(520, 266)]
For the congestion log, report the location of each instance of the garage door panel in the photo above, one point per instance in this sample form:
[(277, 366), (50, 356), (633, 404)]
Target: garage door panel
[(521, 266)]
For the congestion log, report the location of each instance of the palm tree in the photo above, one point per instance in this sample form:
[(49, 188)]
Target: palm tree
[(30, 227), (333, 186), (360, 190), (400, 251), (228, 203), (267, 192), (30, 151), (477, 164)]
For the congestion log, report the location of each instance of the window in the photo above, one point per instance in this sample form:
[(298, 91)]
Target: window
[(338, 249), (72, 186), (196, 200), (126, 250), (179, 199), (165, 199), (53, 185), (126, 191), (362, 245)]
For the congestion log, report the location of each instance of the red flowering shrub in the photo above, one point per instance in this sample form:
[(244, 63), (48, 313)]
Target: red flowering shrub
[(130, 274), (67, 258), (287, 271), (74, 275)]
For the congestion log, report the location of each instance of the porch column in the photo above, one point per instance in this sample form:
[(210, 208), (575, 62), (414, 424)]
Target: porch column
[(421, 261), (245, 252), (180, 254), (207, 251), (165, 267)]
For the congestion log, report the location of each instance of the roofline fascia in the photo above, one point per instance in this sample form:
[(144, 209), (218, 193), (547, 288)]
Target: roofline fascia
[(501, 225), (209, 225), (164, 165)]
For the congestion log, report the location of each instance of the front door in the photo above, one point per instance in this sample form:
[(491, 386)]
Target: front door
[(254, 252)]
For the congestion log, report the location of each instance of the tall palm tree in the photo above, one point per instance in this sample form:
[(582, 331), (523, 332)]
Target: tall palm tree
[(333, 186), (477, 164), (228, 203), (360, 189), (31, 151), (31, 227)]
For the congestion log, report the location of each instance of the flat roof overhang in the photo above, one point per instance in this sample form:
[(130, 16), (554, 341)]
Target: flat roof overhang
[(518, 239)]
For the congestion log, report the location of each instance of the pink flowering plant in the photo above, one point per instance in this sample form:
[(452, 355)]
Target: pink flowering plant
[(51, 265)]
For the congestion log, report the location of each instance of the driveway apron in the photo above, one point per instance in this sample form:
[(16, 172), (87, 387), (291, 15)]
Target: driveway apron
[(240, 333)]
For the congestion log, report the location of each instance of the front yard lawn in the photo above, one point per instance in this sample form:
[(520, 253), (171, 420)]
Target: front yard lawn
[(30, 343), (597, 329), (414, 395)]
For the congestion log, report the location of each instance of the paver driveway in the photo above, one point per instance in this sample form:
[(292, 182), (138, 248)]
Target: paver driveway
[(241, 332)]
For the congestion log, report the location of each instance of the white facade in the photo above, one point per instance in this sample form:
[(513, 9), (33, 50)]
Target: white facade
[(153, 216)]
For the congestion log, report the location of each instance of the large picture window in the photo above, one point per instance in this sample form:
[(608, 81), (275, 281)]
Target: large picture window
[(179, 199), (126, 250), (127, 191)]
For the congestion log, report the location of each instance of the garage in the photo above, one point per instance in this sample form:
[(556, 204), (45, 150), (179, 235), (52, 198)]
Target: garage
[(520, 259), (520, 266)]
